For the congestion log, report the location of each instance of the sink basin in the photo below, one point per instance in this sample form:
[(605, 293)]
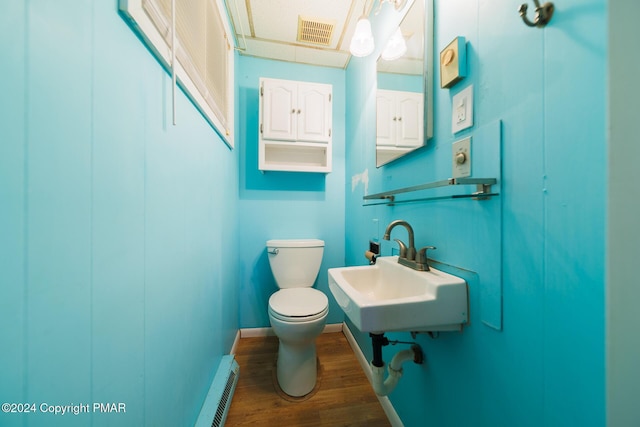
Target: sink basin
[(389, 297)]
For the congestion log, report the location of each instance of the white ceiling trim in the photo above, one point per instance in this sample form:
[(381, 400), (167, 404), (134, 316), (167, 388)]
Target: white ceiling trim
[(268, 29)]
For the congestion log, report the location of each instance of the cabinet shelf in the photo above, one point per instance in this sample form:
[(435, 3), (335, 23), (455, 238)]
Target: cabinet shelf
[(296, 144), (483, 191), (295, 157)]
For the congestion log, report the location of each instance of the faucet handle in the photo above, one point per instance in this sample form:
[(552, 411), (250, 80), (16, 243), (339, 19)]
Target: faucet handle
[(403, 248), (422, 254)]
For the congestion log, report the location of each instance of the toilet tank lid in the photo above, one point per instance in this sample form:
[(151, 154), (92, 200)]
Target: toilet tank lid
[(295, 243)]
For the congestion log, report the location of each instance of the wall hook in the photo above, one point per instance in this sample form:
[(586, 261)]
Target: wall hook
[(541, 18)]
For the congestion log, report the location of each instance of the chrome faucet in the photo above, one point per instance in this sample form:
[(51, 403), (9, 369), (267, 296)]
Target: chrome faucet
[(408, 254)]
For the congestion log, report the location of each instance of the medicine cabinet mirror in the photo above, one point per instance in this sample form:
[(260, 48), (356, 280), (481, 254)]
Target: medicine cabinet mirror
[(404, 88)]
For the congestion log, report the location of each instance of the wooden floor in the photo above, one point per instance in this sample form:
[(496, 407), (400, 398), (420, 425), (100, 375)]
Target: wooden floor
[(343, 396)]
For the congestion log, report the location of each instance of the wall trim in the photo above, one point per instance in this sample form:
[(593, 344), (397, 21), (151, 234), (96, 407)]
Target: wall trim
[(268, 332), (235, 343), (386, 404), (332, 328), (256, 332)]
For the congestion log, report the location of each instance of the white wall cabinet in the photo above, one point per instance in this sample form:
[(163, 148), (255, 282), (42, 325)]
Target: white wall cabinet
[(400, 119), (295, 126)]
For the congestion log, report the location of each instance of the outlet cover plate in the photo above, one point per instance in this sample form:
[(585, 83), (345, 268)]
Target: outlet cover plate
[(462, 110), (461, 150)]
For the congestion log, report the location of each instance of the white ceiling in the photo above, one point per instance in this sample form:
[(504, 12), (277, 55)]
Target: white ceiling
[(269, 28)]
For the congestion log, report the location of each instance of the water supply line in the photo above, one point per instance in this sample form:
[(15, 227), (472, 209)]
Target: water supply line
[(382, 386)]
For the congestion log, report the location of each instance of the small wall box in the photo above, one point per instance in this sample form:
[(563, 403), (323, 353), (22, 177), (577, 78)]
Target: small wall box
[(453, 63)]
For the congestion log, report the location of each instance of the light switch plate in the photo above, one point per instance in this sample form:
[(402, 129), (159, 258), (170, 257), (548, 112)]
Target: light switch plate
[(462, 110), (461, 158)]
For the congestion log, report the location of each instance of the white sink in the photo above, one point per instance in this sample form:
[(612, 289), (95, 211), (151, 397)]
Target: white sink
[(389, 297)]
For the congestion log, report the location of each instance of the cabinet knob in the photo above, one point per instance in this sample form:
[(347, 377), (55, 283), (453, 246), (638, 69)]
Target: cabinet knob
[(293, 111), (298, 111)]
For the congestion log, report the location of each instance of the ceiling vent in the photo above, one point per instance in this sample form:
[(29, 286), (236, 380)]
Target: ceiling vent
[(316, 31)]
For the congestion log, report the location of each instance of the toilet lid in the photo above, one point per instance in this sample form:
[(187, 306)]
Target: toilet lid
[(298, 302)]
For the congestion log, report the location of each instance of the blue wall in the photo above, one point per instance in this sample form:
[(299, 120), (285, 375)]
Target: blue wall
[(132, 250), (117, 280), (540, 100), (285, 205)]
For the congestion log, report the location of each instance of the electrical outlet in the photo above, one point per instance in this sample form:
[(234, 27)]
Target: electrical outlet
[(461, 158), (461, 113), (462, 110)]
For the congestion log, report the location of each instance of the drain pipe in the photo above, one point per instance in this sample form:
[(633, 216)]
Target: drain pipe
[(381, 386)]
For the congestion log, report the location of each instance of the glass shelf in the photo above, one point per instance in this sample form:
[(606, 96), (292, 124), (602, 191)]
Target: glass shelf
[(483, 191)]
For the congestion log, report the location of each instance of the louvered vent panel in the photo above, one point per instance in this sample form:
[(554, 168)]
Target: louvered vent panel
[(225, 401), (314, 31), (216, 405)]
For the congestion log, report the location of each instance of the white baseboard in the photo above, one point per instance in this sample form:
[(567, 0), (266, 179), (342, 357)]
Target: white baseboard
[(268, 332), (387, 407), (256, 332), (235, 343), (332, 327)]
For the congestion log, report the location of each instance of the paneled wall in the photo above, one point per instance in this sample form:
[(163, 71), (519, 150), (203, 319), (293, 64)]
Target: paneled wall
[(541, 242), (285, 205), (117, 283), (132, 250)]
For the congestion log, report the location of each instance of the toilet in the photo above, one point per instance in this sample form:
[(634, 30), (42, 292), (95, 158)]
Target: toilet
[(297, 312)]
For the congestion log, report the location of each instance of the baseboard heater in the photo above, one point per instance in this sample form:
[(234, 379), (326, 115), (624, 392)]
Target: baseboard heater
[(216, 405)]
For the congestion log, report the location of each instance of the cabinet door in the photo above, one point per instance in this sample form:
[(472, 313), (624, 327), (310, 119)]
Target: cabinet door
[(279, 110), (314, 112), (410, 112), (386, 118)]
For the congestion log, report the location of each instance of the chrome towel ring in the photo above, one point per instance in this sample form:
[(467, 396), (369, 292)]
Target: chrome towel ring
[(541, 18)]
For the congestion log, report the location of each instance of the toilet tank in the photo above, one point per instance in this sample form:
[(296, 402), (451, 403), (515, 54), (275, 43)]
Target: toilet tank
[(295, 263)]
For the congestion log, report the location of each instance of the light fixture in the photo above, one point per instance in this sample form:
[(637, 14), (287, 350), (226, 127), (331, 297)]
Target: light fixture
[(397, 4), (395, 48), (362, 41)]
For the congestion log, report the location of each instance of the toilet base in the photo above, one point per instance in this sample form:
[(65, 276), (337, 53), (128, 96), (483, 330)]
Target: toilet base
[(296, 399), (297, 368)]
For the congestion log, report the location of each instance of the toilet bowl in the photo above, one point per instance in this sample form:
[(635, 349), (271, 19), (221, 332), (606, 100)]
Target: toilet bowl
[(297, 312)]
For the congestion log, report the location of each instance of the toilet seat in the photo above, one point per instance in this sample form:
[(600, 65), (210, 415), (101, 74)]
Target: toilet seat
[(298, 304)]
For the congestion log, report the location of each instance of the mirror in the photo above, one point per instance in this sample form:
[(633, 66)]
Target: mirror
[(403, 109)]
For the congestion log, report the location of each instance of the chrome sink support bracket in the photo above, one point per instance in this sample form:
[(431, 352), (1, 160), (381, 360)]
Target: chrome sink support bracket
[(458, 327)]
